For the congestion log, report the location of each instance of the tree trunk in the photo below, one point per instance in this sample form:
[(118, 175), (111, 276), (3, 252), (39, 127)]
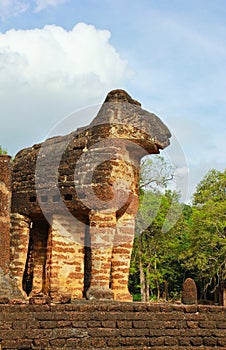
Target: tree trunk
[(157, 281), (142, 275), (142, 282), (158, 290), (147, 289), (165, 292)]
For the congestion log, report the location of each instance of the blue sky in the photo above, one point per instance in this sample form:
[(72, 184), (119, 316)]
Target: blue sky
[(57, 56)]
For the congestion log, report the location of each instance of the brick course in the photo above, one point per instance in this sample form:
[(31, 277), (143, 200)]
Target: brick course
[(111, 325)]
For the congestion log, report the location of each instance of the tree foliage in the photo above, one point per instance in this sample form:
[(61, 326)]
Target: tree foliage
[(156, 172), (195, 246), (152, 254), (206, 255), (212, 187), (2, 150)]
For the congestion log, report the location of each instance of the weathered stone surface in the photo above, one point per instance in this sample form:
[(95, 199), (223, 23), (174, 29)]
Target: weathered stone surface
[(5, 202), (8, 286), (189, 292), (74, 201), (99, 293), (39, 299)]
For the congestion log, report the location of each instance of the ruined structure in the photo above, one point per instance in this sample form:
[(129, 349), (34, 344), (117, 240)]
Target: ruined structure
[(74, 201), (8, 286)]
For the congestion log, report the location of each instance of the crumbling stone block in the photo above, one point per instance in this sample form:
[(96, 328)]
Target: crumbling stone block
[(189, 292)]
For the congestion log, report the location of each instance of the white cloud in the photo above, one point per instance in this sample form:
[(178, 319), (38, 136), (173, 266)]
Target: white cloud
[(55, 58), (42, 4), (48, 73), (12, 8), (9, 8)]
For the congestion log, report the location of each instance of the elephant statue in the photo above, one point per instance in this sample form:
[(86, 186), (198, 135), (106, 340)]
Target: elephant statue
[(74, 203)]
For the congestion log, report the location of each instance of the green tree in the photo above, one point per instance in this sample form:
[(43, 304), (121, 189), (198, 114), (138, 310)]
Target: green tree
[(194, 246), (155, 271), (156, 172), (212, 187), (163, 249), (205, 257), (2, 150)]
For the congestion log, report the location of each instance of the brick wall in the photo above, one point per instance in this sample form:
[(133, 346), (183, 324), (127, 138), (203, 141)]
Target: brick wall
[(112, 325)]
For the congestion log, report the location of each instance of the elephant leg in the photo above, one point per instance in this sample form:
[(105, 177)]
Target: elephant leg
[(102, 231), (121, 256), (65, 258), (19, 242)]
